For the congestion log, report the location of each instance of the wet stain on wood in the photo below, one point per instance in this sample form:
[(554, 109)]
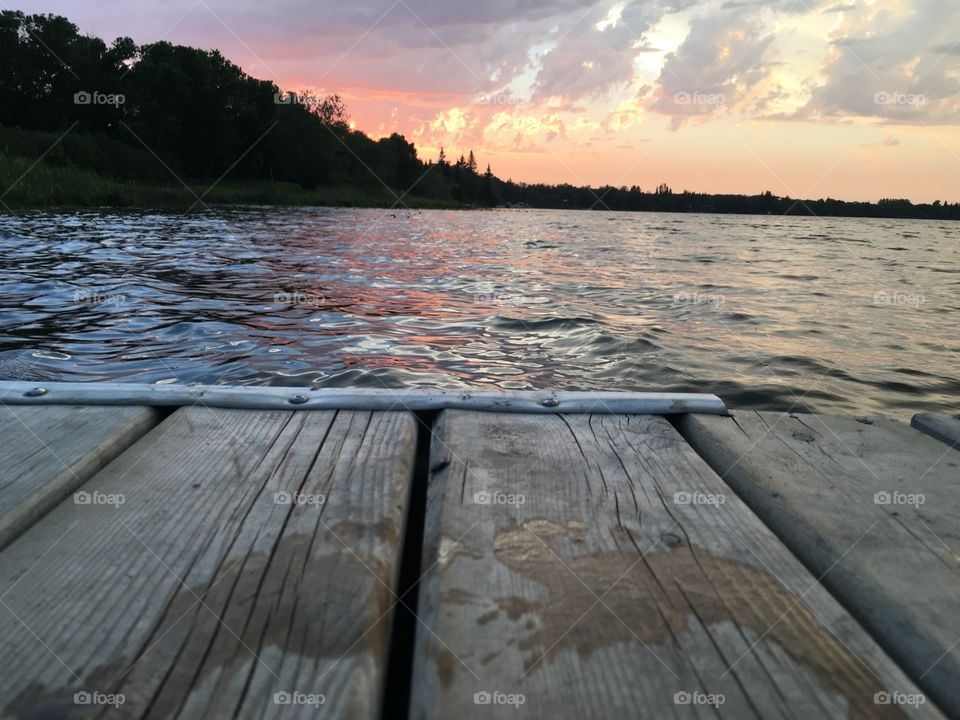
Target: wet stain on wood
[(658, 599)]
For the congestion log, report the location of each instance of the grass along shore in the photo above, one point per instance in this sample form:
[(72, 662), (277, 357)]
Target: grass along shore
[(28, 186)]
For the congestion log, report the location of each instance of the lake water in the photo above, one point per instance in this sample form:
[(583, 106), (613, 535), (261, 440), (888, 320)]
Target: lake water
[(829, 315)]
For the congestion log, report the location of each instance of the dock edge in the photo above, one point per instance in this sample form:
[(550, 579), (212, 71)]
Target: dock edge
[(295, 398)]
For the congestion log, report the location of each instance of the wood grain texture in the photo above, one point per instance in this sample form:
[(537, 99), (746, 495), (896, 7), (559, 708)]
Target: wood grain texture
[(621, 586), (943, 427), (48, 452), (206, 593), (822, 483)]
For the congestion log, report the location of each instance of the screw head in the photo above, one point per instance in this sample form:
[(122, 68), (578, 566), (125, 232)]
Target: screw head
[(35, 392), (671, 539), (550, 402), (299, 399)]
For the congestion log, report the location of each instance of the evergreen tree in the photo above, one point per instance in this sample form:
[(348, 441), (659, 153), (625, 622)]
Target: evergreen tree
[(488, 194)]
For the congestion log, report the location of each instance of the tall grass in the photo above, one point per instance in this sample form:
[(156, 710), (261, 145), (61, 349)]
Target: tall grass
[(28, 185)]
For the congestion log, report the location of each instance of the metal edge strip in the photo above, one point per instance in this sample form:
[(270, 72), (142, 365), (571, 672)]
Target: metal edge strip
[(293, 398)]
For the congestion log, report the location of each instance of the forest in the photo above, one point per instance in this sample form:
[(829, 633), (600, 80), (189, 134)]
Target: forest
[(85, 122)]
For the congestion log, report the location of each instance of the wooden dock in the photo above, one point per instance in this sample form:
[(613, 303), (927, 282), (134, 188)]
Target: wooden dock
[(335, 555)]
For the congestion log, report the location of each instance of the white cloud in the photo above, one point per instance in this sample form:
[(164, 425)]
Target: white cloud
[(598, 52), (900, 69), (724, 56)]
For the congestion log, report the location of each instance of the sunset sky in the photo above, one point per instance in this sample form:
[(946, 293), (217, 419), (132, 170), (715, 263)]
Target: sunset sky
[(854, 99)]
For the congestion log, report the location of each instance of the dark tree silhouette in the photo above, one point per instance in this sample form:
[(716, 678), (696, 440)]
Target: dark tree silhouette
[(203, 117)]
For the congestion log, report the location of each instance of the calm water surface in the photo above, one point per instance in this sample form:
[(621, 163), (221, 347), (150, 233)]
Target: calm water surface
[(829, 315)]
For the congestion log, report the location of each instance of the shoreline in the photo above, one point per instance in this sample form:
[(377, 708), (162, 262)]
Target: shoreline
[(410, 204)]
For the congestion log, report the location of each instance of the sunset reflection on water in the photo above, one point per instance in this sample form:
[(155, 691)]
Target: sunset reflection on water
[(824, 314)]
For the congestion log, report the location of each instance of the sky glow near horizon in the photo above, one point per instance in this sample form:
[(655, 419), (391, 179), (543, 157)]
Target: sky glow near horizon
[(852, 99)]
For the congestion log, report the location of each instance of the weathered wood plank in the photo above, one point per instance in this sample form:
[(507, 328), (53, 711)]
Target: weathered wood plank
[(824, 483), (48, 452), (943, 427), (629, 581), (205, 592)]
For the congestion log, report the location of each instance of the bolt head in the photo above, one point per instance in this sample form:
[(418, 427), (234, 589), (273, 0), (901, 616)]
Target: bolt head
[(550, 402), (299, 399), (671, 539), (35, 392)]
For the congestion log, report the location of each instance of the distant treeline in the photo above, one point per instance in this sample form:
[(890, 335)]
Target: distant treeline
[(663, 199), (159, 114)]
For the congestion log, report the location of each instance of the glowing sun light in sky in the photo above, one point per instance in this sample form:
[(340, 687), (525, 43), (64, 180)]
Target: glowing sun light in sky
[(855, 99)]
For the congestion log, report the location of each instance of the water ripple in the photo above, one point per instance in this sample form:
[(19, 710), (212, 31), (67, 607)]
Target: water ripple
[(828, 315)]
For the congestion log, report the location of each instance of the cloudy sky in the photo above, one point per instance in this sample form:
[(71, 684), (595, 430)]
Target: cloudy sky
[(856, 99)]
